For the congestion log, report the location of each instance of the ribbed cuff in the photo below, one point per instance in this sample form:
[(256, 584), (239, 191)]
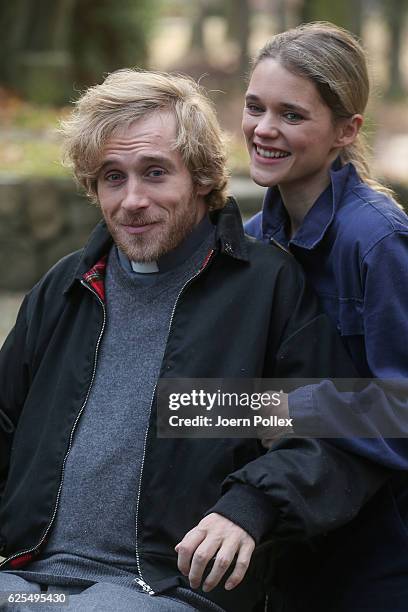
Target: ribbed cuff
[(249, 508)]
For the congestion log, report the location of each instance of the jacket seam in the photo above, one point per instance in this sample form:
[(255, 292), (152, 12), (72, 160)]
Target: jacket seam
[(392, 232), (342, 299), (373, 203)]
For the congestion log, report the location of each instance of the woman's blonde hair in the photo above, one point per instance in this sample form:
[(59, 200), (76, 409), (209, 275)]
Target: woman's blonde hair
[(128, 95), (335, 62)]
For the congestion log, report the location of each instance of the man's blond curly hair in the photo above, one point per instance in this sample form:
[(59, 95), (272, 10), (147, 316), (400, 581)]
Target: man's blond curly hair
[(130, 94)]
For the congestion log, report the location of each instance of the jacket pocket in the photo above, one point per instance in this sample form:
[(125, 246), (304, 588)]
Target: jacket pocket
[(350, 317)]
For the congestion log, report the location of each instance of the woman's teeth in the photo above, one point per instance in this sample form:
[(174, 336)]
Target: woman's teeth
[(266, 153)]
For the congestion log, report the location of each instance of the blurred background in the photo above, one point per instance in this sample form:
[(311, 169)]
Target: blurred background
[(52, 49)]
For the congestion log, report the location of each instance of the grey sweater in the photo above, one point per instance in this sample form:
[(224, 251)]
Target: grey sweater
[(93, 536)]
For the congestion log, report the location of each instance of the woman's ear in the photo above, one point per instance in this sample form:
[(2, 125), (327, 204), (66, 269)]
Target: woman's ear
[(348, 130)]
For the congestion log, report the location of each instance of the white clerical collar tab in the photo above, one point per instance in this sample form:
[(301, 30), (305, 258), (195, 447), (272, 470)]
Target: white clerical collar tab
[(144, 268)]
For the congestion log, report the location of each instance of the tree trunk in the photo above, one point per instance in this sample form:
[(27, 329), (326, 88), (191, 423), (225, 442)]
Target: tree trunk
[(14, 22), (62, 22), (281, 16), (238, 17), (197, 30), (395, 13)]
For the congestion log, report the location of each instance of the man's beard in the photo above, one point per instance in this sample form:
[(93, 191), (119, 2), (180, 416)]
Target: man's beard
[(166, 235)]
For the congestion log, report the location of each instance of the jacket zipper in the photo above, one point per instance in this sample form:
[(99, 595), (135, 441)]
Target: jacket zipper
[(140, 580), (31, 550)]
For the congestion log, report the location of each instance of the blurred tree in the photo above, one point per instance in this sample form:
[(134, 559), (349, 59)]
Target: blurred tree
[(48, 43), (197, 45), (347, 13), (238, 13), (281, 16), (13, 18), (395, 14), (107, 35), (34, 36)]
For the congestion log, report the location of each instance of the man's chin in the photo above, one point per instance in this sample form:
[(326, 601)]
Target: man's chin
[(150, 247), (140, 256), (146, 253), (139, 249)]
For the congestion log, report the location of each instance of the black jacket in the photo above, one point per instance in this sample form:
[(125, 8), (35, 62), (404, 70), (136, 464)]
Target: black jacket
[(247, 313)]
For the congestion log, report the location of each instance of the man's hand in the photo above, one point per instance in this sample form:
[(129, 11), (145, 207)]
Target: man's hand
[(214, 536)]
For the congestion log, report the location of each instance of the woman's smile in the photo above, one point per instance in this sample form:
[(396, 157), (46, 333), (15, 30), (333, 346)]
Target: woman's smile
[(290, 132), (270, 153)]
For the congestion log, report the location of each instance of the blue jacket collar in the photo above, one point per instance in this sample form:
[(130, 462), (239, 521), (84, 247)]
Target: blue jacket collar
[(275, 220)]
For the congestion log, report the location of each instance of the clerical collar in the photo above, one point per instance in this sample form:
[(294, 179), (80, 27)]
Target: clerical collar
[(174, 257), (144, 268)]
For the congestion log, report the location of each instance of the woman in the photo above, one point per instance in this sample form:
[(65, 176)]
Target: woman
[(303, 113)]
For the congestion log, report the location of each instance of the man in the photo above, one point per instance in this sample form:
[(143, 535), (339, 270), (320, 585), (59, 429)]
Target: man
[(93, 504)]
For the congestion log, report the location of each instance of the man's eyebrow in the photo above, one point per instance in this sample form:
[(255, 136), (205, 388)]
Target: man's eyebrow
[(161, 160), (157, 159)]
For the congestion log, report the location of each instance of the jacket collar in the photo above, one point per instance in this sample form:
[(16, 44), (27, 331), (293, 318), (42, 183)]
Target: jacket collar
[(229, 233), (229, 236), (275, 219), (93, 255)]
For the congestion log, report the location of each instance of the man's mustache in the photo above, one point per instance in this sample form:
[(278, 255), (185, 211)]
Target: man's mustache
[(136, 219)]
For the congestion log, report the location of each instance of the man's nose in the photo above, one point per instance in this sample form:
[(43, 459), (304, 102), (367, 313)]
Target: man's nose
[(135, 197), (267, 127)]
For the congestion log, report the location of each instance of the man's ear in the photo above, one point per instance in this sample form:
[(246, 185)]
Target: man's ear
[(348, 130), (203, 190)]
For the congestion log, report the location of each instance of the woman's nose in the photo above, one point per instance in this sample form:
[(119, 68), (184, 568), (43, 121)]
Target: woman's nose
[(267, 127)]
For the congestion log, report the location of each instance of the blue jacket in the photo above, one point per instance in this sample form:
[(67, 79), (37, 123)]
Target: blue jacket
[(353, 247)]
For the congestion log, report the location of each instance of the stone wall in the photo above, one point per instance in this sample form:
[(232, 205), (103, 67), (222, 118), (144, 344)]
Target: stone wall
[(41, 220)]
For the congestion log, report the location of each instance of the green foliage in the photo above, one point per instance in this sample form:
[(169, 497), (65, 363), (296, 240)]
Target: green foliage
[(46, 45), (16, 114), (31, 157), (30, 141)]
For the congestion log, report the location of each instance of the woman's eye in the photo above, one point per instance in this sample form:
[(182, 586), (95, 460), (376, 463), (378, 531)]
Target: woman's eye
[(292, 117)]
